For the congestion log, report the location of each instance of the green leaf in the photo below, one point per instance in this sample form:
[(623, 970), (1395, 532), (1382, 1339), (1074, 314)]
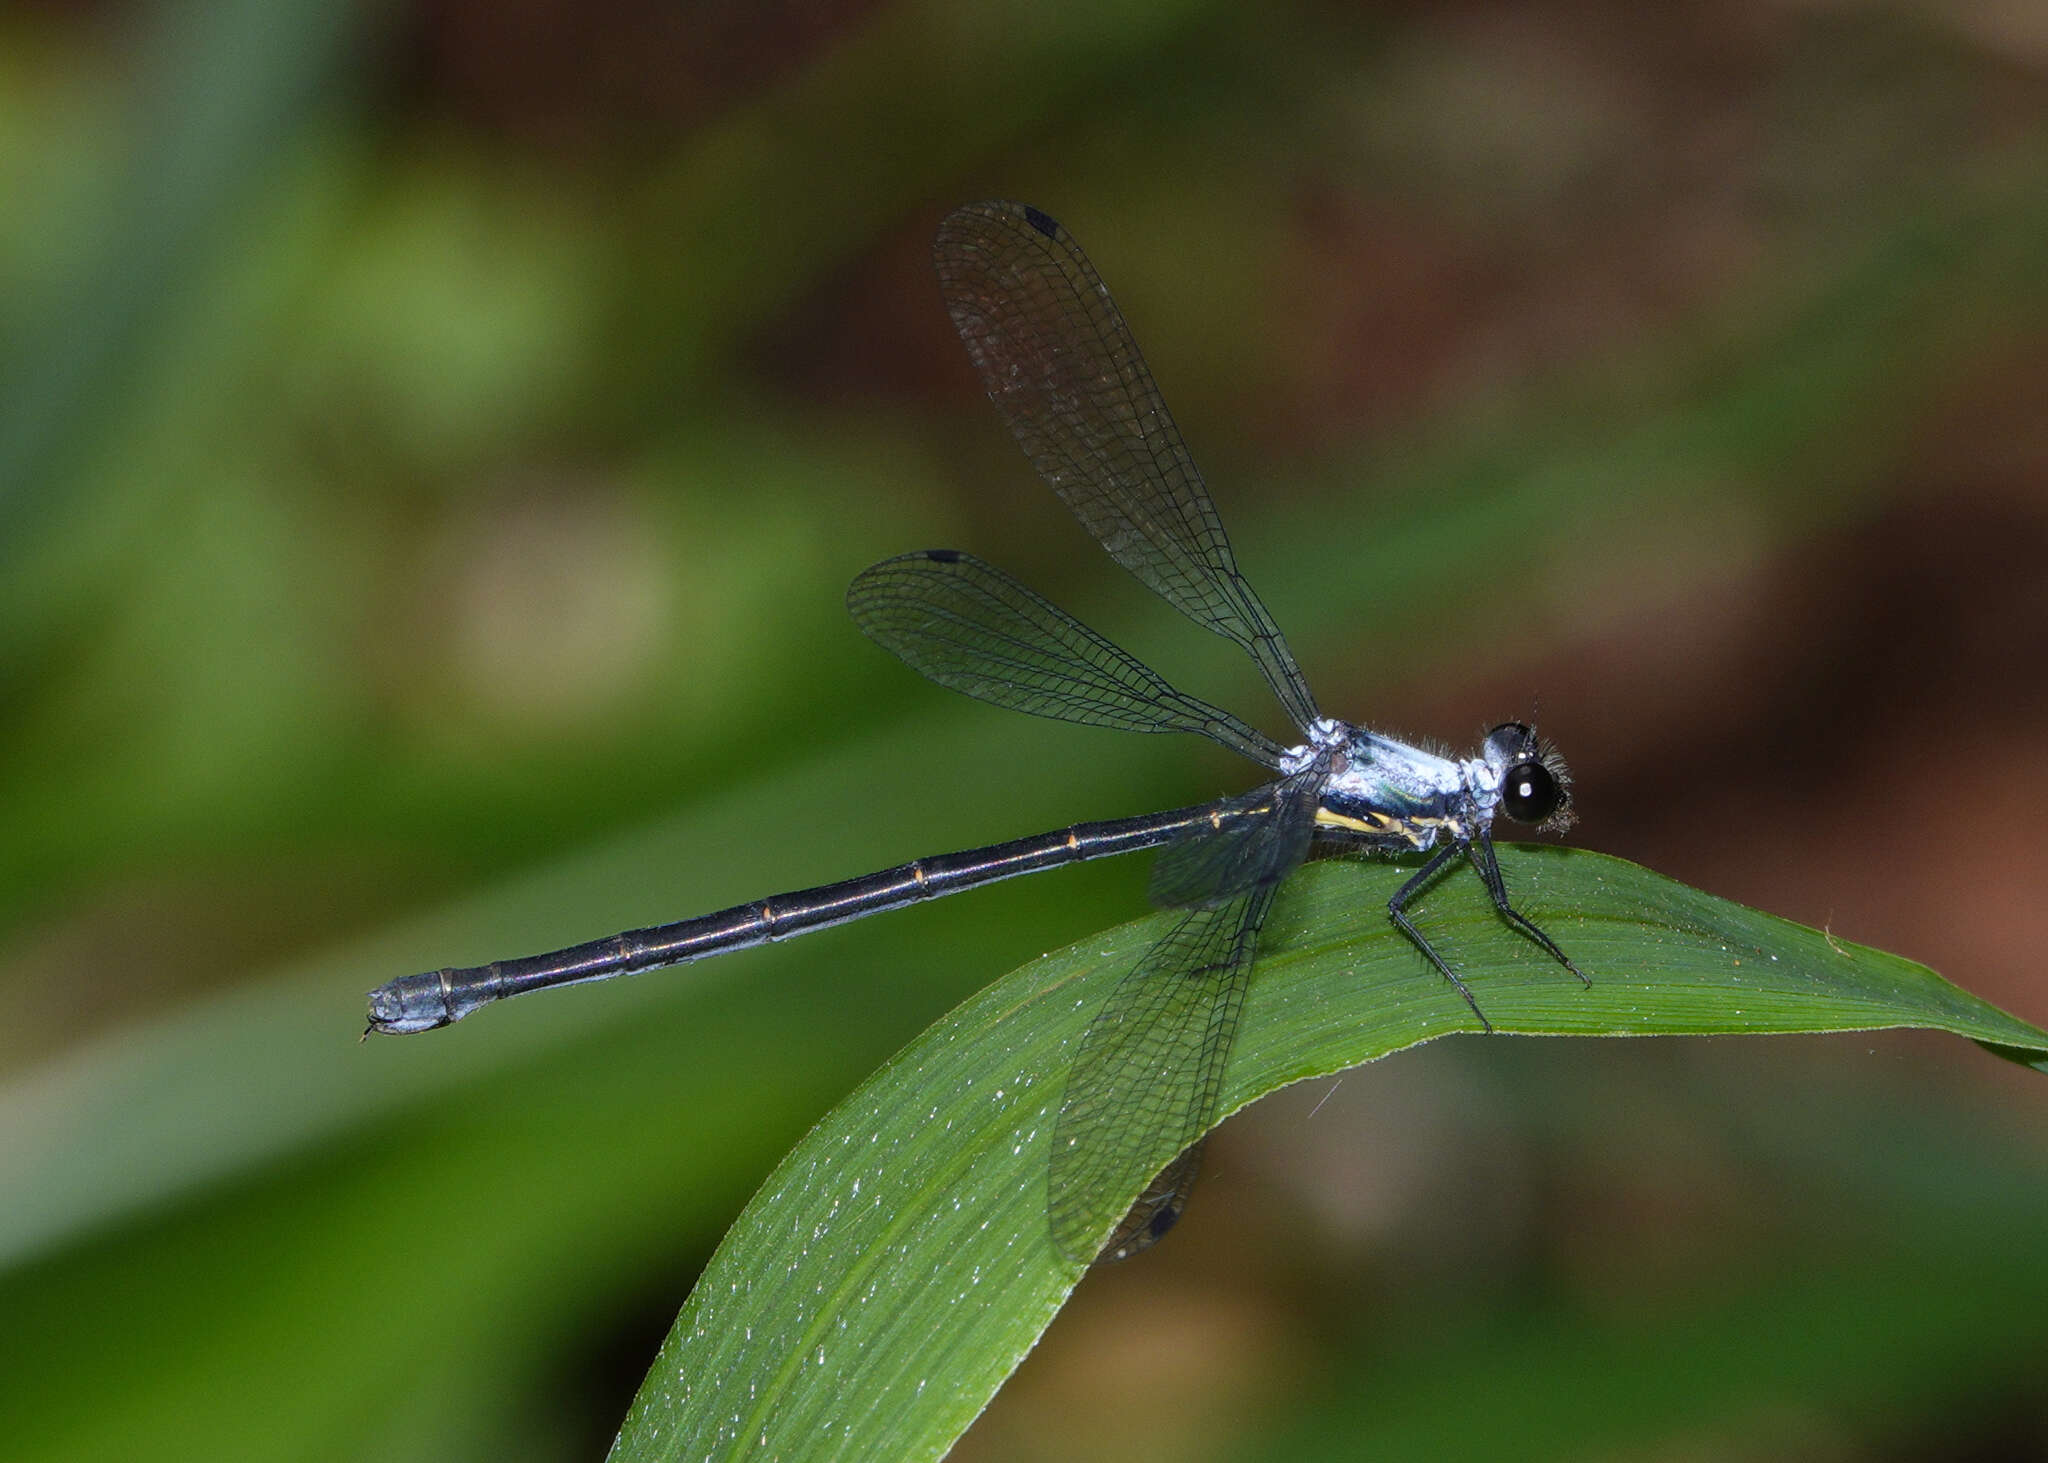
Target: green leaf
[(898, 1265)]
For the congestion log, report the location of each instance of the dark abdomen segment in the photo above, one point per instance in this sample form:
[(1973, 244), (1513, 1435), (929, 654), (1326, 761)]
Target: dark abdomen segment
[(441, 997)]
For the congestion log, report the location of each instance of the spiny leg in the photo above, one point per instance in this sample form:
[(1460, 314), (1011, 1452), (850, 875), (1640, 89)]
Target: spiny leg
[(1484, 859), (1397, 910)]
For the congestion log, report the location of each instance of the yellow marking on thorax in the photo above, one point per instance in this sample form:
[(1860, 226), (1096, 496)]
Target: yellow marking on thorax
[(1417, 830), (1370, 823)]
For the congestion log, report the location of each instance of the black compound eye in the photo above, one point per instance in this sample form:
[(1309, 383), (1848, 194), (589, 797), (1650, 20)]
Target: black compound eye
[(1528, 793), (1510, 740)]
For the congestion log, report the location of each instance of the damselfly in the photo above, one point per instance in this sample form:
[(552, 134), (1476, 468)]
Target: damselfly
[(1059, 362)]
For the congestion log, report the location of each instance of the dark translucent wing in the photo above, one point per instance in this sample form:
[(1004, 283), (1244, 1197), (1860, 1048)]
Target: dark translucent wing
[(1254, 840), (1158, 1209), (972, 628), (1149, 1074), (1061, 366)]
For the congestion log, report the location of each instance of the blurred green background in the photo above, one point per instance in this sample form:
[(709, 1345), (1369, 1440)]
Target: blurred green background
[(434, 440)]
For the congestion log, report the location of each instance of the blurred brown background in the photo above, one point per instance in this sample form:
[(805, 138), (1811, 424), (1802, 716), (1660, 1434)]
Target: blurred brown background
[(434, 440)]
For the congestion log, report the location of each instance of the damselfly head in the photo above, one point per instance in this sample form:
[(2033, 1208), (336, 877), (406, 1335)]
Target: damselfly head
[(1535, 786)]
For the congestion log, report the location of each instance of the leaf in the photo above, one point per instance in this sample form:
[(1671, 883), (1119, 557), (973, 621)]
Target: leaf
[(898, 1265)]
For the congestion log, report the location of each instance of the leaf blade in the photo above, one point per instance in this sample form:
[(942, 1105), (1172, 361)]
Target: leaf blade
[(898, 1265)]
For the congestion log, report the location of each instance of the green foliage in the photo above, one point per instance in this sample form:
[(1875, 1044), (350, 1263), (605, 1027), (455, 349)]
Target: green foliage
[(424, 535), (897, 1265)]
